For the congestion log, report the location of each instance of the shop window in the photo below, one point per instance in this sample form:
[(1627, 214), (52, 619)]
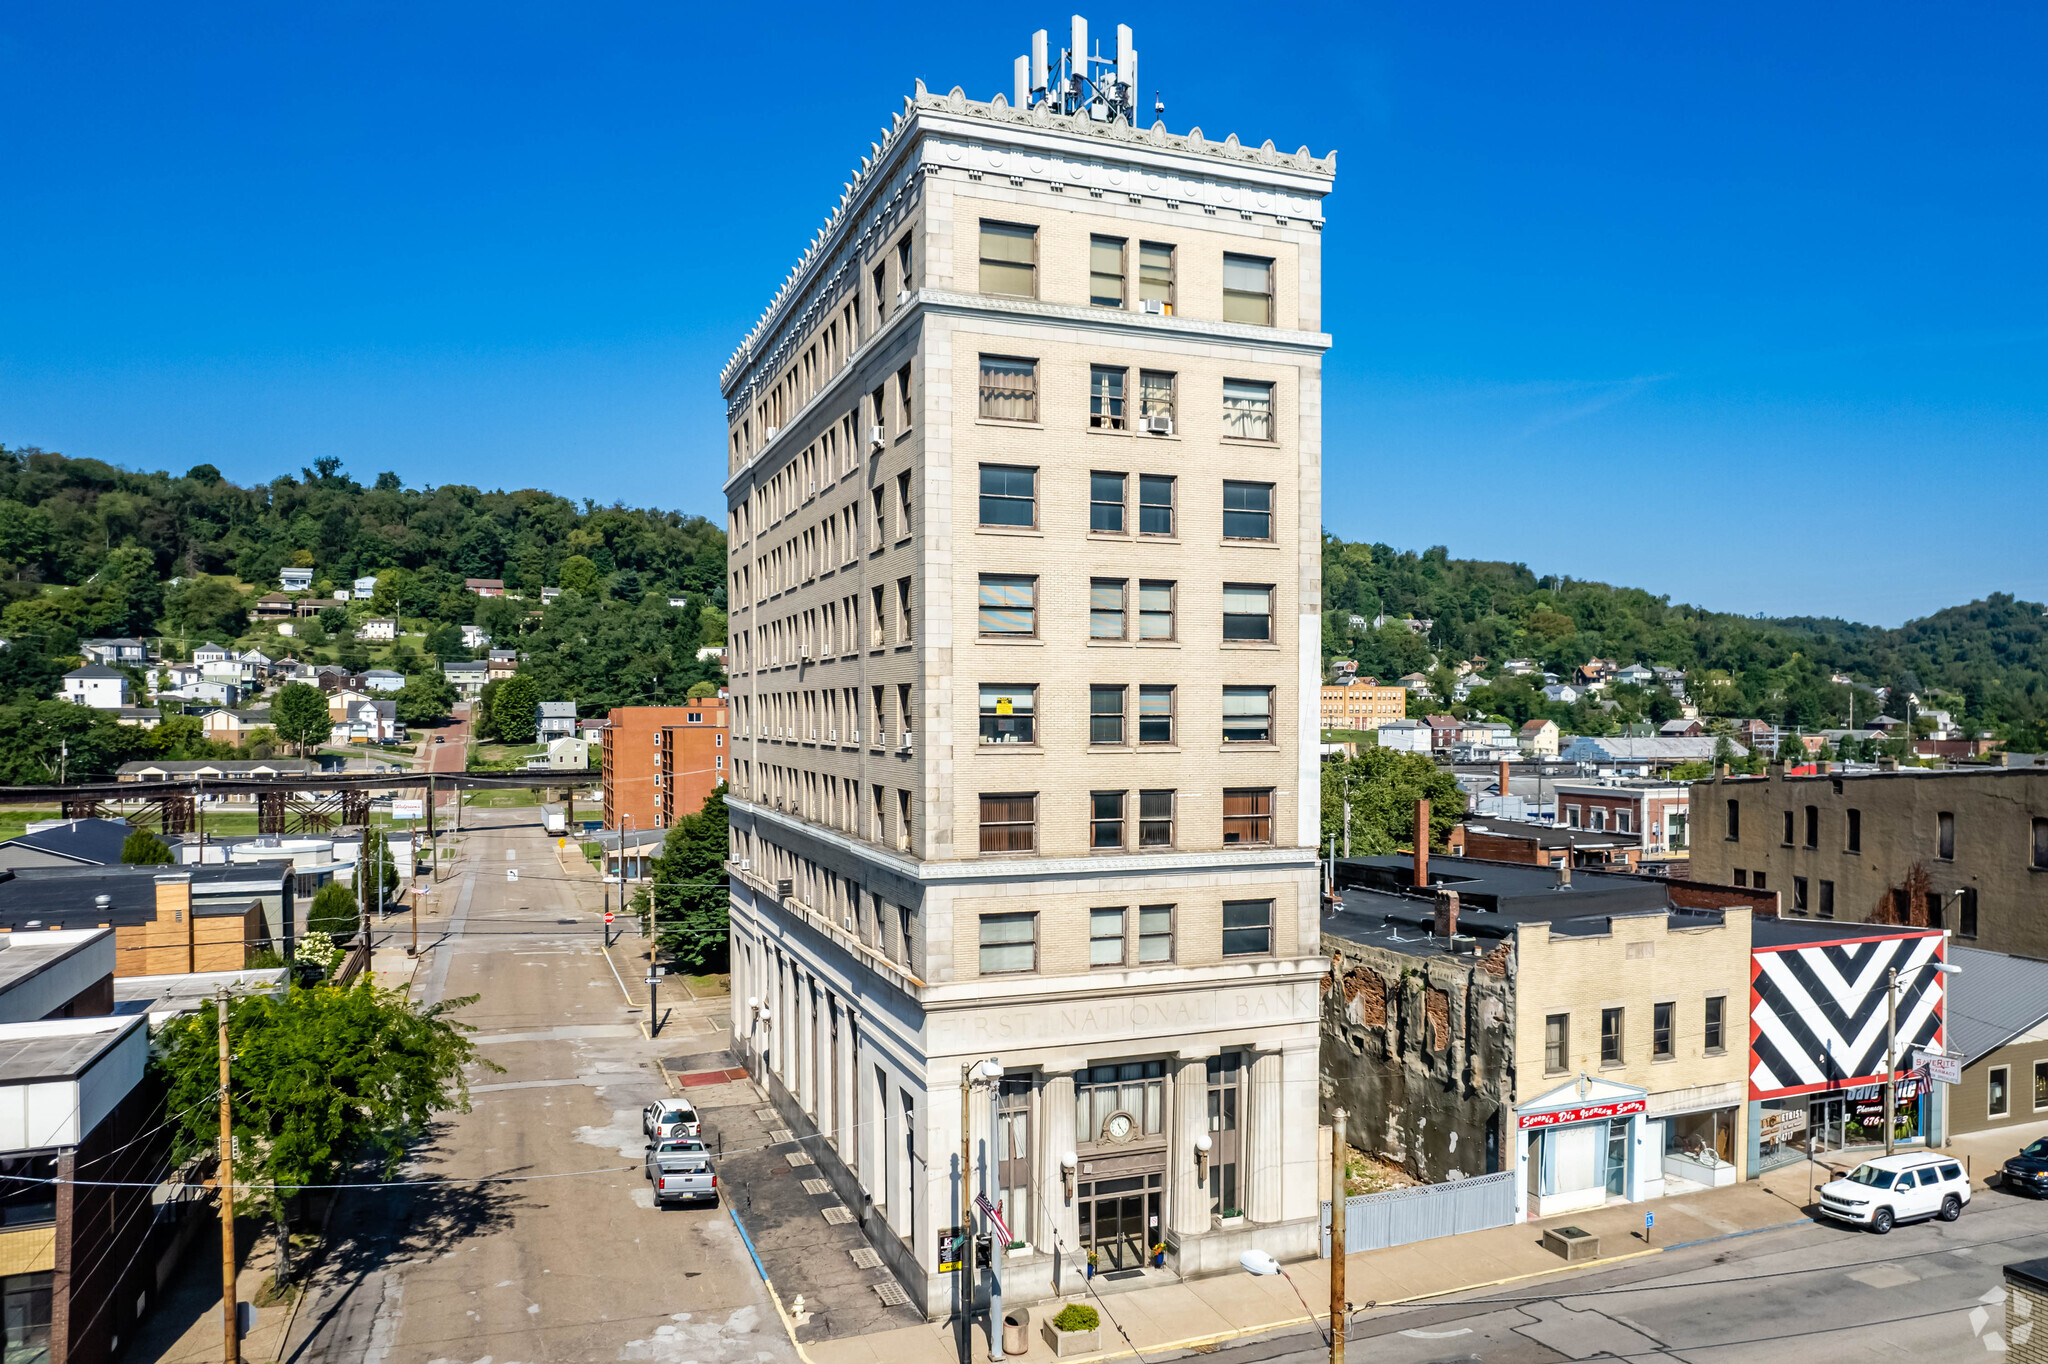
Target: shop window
[(2040, 1085), (1998, 1092), (27, 1305)]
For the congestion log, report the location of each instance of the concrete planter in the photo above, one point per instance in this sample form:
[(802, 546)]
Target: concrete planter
[(1067, 1344)]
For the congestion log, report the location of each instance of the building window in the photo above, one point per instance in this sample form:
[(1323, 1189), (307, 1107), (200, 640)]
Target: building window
[(1106, 398), (1009, 495), (1966, 912), (1155, 934), (1106, 272), (27, 1300), (1106, 936), (1247, 928), (1155, 819), (1155, 504), (1248, 815), (1824, 908), (2040, 1085), (1556, 1043), (1014, 1173), (1155, 394), (1571, 816), (1998, 1092), (1009, 942), (1660, 1031), (1735, 823), (1136, 1087), (1813, 826), (1155, 715), (1009, 259), (1105, 715), (1155, 275), (1009, 389), (1247, 410), (1106, 503), (1009, 823), (2041, 843), (1610, 1037), (1106, 819), (1009, 606), (1855, 844), (1247, 511), (1247, 715), (28, 1191), (903, 275), (1247, 289), (1155, 608), (1247, 612), (1799, 895), (1600, 818), (1741, 877), (1106, 608), (1008, 715), (1945, 836), (1758, 880), (1717, 1014), (1786, 841)]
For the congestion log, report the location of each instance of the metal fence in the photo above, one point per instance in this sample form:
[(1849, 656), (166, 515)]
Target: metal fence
[(1398, 1216)]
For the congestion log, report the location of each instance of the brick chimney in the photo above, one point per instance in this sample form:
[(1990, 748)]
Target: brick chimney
[(1503, 782), (1564, 868), (1447, 914), (1422, 845)]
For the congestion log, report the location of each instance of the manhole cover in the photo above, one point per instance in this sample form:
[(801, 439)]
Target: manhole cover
[(781, 1134), (839, 1214), (867, 1257), (796, 1158), (817, 1186), (892, 1294)]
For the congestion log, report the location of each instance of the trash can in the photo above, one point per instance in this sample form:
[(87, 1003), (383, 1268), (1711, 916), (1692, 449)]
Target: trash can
[(1016, 1321)]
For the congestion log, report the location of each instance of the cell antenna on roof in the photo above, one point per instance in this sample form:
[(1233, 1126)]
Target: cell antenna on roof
[(1106, 88)]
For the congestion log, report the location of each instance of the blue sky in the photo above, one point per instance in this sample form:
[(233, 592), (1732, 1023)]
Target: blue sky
[(1742, 304)]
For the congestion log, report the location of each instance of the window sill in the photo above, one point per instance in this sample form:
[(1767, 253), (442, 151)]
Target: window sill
[(1256, 646), (1008, 748), (1007, 641), (1248, 544), (1248, 441), (1016, 532), (1009, 425), (1715, 1051), (1248, 746), (1158, 537), (1133, 643)]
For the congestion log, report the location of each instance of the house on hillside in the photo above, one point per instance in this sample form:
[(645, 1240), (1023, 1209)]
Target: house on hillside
[(1538, 738), (467, 677), (365, 588), (295, 579), (555, 720), (1564, 693), (485, 587), (1405, 736), (502, 664), (474, 638), (116, 653), (96, 685), (1681, 729), (1635, 675)]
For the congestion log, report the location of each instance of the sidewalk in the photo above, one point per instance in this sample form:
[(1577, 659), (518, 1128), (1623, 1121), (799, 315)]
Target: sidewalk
[(1205, 1311)]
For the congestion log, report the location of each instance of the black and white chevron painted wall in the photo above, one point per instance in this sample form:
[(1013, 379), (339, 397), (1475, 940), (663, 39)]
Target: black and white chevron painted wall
[(1817, 1012)]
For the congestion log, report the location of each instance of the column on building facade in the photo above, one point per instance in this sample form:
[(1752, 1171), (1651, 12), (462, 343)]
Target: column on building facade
[(1058, 1219), (828, 1063), (1189, 1208), (1267, 1151)]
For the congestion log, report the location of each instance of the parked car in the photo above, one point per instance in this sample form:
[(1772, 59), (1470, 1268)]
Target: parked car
[(1892, 1189), (2028, 1171), (669, 1118), (681, 1172)]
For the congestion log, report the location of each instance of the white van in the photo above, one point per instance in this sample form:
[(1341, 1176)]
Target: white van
[(1892, 1189)]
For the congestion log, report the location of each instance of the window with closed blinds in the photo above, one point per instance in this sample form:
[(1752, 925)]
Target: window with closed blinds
[(1247, 289), (1106, 608), (1247, 409), (1247, 612), (1106, 272), (1248, 815), (1105, 715), (1009, 605), (1155, 609), (1009, 942), (1247, 928), (1009, 389), (1155, 819), (1105, 937), (1009, 495), (1155, 275), (1106, 503), (1247, 715), (1009, 824), (1009, 259), (1155, 715)]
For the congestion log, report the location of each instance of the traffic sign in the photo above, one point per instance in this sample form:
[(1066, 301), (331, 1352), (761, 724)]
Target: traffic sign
[(607, 916), (511, 873)]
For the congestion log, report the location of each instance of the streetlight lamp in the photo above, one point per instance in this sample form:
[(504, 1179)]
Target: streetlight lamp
[(1260, 1263), (1891, 1040)]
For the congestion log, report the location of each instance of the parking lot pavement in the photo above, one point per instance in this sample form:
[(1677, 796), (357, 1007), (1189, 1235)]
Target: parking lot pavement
[(784, 1207)]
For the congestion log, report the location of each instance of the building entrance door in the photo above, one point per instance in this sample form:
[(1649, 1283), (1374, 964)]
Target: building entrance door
[(1824, 1124), (1118, 1221)]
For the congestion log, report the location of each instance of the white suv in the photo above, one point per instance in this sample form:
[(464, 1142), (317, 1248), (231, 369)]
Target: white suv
[(1892, 1189)]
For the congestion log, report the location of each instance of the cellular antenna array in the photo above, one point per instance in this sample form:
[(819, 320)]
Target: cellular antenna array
[(1105, 87)]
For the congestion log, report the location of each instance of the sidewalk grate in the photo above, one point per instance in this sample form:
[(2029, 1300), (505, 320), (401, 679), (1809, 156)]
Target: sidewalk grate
[(764, 1115), (817, 1186), (781, 1134), (867, 1257), (839, 1214), (892, 1294), (797, 1158)]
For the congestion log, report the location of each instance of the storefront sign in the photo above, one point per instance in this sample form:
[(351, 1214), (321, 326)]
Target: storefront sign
[(1783, 1124), (1588, 1113), (1945, 1070)]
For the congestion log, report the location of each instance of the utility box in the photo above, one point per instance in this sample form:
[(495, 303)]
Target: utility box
[(1572, 1243)]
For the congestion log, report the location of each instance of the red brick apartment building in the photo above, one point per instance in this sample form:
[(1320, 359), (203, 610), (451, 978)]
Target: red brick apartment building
[(660, 762)]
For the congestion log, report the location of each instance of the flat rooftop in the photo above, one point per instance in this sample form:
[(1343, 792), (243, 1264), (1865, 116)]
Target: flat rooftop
[(163, 996), (1509, 887), (1549, 835), (57, 1050), (23, 955)]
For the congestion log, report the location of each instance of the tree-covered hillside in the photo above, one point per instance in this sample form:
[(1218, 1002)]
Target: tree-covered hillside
[(1986, 660)]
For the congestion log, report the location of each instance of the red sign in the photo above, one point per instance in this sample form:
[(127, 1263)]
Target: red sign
[(1586, 1114), (607, 916)]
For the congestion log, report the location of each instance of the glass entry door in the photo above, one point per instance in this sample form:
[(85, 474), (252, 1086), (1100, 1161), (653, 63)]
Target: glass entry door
[(1118, 1221), (1617, 1158), (1824, 1125)]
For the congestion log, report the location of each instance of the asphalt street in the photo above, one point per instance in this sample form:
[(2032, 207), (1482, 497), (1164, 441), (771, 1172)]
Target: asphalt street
[(1929, 1291), (565, 1265)]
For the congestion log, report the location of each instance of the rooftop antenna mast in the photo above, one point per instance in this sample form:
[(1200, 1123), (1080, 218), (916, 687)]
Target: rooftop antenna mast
[(1106, 88)]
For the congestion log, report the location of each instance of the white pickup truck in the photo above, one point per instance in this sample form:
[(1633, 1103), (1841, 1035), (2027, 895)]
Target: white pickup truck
[(680, 1170)]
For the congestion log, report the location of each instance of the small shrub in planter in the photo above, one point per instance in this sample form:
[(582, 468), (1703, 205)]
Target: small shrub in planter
[(1073, 1331), (1077, 1316)]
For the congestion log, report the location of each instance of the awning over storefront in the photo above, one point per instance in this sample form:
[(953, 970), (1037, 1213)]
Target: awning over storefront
[(1582, 1100)]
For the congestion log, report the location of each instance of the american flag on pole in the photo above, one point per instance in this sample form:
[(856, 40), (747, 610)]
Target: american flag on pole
[(995, 1219)]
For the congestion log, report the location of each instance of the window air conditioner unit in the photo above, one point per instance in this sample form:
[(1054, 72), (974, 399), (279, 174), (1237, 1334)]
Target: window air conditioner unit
[(769, 434), (1159, 426), (855, 738), (814, 489), (909, 742), (1152, 306), (877, 437), (746, 864), (902, 297), (833, 735)]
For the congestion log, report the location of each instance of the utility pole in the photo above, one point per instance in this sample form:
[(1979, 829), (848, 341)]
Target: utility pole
[(996, 1246), (231, 1347), (1337, 1144), (1891, 1055)]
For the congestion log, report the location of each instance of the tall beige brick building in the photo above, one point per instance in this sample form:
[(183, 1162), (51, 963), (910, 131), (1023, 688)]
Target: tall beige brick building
[(1024, 502)]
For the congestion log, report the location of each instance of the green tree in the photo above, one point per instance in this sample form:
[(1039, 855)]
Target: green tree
[(702, 691), (321, 1078), (427, 698), (205, 606), (1382, 787), (299, 713), (334, 912), (579, 574), (687, 892), (144, 849), (483, 722), (514, 710)]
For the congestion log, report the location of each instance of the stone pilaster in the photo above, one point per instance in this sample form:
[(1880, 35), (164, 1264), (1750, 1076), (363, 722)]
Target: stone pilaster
[(1265, 1140), (1188, 1213)]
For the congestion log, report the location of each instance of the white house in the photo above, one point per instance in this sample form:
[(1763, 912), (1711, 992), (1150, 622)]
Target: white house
[(1404, 736), (368, 722), (1564, 693), (466, 677), (555, 720), (1635, 675), (115, 652), (384, 680), (548, 594), (210, 652), (365, 588), (209, 690), (295, 579), (96, 685), (378, 629), (563, 754), (473, 637)]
